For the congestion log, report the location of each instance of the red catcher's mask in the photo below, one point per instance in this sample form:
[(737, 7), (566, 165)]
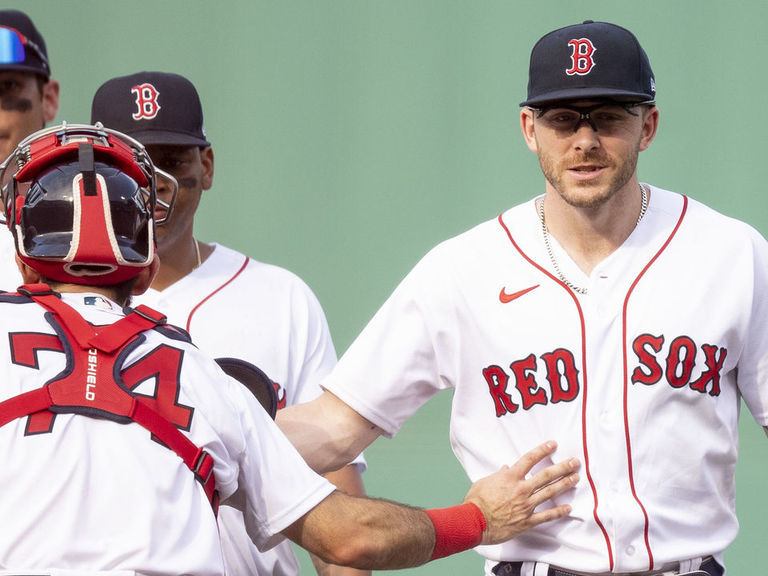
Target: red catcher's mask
[(82, 202)]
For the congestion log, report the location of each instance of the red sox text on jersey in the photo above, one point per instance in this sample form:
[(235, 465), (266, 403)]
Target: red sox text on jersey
[(676, 364)]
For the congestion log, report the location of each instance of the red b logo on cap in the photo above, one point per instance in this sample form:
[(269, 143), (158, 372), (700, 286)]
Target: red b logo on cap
[(146, 101), (581, 59)]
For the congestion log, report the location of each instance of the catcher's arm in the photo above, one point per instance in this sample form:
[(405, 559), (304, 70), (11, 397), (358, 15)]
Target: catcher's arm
[(348, 480), (382, 535)]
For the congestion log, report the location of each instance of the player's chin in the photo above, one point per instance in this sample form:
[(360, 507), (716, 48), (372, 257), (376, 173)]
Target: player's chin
[(586, 195)]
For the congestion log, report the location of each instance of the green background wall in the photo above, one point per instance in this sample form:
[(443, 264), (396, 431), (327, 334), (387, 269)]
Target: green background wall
[(352, 135)]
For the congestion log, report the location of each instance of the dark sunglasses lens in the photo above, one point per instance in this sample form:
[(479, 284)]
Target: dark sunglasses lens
[(11, 47)]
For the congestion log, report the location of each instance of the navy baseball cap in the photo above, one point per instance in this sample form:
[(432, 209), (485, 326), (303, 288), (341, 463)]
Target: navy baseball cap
[(587, 61), (22, 48), (152, 107)]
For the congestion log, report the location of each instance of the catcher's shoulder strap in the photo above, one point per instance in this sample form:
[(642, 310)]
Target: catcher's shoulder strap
[(109, 338), (96, 350)]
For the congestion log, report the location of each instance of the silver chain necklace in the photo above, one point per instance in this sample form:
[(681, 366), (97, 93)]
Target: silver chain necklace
[(548, 246)]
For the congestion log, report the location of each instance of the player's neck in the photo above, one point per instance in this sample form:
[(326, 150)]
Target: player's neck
[(176, 262), (590, 234), (110, 293)]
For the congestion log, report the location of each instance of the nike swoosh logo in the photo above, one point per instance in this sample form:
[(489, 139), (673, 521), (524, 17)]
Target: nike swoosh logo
[(506, 298)]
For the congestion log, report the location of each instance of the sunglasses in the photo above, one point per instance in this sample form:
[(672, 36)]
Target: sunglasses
[(604, 117), (14, 46)]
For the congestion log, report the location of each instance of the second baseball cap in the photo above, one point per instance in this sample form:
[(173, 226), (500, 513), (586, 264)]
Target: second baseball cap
[(152, 107), (589, 60), (22, 47)]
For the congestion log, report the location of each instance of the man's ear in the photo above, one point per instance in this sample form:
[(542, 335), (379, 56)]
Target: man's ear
[(650, 125), (50, 100), (529, 133), (146, 276), (206, 157), (28, 275)]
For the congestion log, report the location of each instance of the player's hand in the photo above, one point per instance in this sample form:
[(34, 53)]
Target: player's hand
[(508, 498)]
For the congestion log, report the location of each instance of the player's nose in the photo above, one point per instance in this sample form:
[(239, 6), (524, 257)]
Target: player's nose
[(585, 136)]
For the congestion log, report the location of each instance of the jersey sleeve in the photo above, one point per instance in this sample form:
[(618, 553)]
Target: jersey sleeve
[(285, 488), (392, 367), (312, 345), (314, 351), (753, 364), (257, 469)]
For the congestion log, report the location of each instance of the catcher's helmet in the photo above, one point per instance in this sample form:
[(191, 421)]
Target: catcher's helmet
[(81, 203)]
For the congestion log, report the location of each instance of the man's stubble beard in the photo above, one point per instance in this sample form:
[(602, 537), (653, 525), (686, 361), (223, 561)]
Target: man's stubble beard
[(553, 170)]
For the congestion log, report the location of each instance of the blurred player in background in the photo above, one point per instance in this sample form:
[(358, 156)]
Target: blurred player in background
[(29, 99), (623, 321), (232, 305)]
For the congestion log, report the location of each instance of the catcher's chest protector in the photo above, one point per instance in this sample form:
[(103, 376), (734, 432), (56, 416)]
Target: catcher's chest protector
[(95, 352)]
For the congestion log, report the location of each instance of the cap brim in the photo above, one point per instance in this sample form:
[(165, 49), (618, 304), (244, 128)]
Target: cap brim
[(39, 70), (585, 94), (162, 137)]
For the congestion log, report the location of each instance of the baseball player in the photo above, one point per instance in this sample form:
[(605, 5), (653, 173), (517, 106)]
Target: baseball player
[(29, 98), (119, 438), (230, 304), (621, 320)]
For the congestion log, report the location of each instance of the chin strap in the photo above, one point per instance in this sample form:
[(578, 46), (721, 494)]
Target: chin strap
[(94, 358)]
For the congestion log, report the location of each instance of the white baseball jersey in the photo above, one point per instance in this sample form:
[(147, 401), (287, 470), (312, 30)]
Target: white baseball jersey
[(640, 378), (234, 306), (92, 494)]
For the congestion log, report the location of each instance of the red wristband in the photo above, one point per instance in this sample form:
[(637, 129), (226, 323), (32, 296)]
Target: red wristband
[(457, 528)]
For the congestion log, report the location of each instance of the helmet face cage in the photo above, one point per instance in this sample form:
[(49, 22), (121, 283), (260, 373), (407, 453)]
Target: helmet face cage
[(68, 134), (81, 203)]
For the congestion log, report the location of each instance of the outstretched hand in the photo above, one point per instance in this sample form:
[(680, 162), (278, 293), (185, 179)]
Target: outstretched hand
[(509, 498)]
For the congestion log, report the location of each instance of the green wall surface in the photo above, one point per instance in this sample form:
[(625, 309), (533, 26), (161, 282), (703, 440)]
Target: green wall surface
[(353, 135)]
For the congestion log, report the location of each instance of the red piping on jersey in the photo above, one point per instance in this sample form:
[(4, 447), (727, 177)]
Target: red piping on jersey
[(584, 393), (630, 468), (204, 300)]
